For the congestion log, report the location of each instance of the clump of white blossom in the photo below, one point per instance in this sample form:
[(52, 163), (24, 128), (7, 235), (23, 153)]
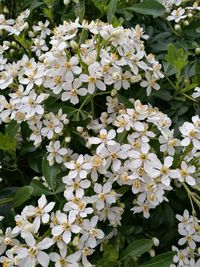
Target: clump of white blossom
[(189, 230), (120, 140)]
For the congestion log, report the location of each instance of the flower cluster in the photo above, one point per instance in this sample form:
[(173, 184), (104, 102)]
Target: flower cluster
[(189, 229), (180, 14), (131, 146)]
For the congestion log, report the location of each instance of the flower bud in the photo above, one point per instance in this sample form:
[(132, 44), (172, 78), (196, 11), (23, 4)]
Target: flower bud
[(74, 45), (79, 129), (66, 2), (190, 15), (136, 78), (26, 26), (113, 92), (197, 51), (156, 241), (75, 241), (68, 139), (152, 253), (7, 43), (186, 23), (177, 27)]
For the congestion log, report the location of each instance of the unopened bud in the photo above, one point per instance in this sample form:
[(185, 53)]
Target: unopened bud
[(113, 92), (68, 139), (79, 129), (152, 253), (190, 15), (7, 43), (156, 241), (186, 23), (135, 79), (197, 51), (74, 45), (66, 2), (177, 27), (75, 241), (26, 25)]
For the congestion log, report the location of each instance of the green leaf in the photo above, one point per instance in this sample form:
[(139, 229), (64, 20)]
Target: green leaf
[(50, 173), (12, 129), (39, 188), (137, 248), (35, 5), (6, 143), (112, 6), (193, 30), (124, 101), (163, 260), (22, 195), (149, 7)]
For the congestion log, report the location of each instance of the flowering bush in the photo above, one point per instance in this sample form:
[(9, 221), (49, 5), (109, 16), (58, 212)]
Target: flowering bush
[(100, 133)]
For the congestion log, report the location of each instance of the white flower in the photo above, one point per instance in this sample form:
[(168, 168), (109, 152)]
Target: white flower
[(78, 168), (164, 171), (7, 240), (72, 90), (196, 92), (104, 137), (150, 83), (34, 254), (41, 212), (65, 226), (94, 78), (32, 104), (104, 195), (91, 234), (71, 68), (190, 134), (185, 174), (76, 185), (182, 257), (168, 144), (57, 152), (177, 15), (64, 260), (144, 159), (52, 125), (42, 28), (112, 154)]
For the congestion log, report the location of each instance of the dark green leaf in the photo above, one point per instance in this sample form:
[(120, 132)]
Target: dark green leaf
[(137, 248), (149, 7), (39, 188), (163, 260), (111, 10), (22, 195), (50, 173)]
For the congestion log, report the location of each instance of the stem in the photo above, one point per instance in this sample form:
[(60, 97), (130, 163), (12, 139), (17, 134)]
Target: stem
[(92, 106), (170, 81), (172, 29), (103, 93), (82, 105), (189, 97)]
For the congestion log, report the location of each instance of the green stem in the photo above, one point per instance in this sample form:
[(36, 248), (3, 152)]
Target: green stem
[(103, 93)]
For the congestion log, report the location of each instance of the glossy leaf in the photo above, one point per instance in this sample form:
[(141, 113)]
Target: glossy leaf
[(149, 7), (137, 248)]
